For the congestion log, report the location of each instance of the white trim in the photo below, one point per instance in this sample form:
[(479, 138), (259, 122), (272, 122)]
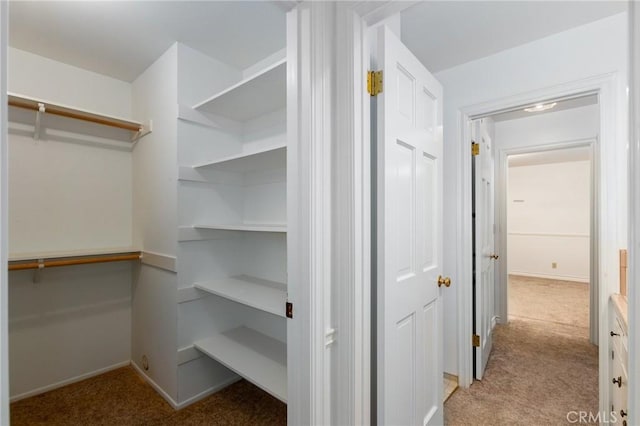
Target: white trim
[(377, 11), (352, 246), (573, 278), (634, 213), (69, 381), (605, 86), (207, 392), (154, 385), (4, 211), (310, 54), (551, 235), (351, 381), (186, 402), (159, 260)]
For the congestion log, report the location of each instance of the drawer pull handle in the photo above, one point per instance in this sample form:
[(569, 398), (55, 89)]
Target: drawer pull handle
[(611, 333), (618, 381), (623, 413)]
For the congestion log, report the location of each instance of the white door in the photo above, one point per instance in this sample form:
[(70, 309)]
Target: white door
[(485, 257), (409, 208)]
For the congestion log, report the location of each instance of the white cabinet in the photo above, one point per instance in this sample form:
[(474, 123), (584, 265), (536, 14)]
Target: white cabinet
[(232, 204), (619, 384)]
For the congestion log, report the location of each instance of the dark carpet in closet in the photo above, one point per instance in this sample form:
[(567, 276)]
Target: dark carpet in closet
[(122, 397)]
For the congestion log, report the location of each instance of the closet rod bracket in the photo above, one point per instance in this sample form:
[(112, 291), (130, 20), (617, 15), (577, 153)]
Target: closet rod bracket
[(144, 131), (41, 110), (36, 271)]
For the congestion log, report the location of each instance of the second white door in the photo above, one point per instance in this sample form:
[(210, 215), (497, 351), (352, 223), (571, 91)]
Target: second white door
[(409, 206)]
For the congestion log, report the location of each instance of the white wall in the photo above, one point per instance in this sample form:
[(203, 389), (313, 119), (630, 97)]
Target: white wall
[(75, 321), (43, 78), (66, 193), (154, 318), (590, 50), (552, 225), (552, 222), (543, 129)]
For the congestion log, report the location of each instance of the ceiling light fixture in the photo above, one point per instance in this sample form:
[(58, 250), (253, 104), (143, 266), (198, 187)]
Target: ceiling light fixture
[(541, 107)]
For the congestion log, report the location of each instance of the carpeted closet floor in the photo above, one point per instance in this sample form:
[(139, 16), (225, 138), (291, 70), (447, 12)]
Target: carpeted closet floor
[(542, 365), (121, 397)]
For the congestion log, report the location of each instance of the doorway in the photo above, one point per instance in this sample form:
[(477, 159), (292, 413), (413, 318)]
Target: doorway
[(551, 155), (525, 351), (548, 227)]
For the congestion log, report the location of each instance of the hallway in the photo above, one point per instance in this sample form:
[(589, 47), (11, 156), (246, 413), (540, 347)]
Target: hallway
[(541, 367)]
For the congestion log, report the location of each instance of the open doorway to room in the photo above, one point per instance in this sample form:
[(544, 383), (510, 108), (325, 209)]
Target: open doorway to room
[(545, 169), (535, 249), (549, 239)]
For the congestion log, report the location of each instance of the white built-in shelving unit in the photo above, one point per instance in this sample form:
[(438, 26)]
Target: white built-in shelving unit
[(254, 96), (232, 199), (256, 357)]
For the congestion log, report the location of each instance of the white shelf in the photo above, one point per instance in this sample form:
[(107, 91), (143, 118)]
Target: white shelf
[(263, 92), (261, 294), (282, 228), (268, 158), (260, 359)]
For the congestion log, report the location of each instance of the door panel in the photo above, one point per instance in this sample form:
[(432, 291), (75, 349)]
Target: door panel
[(484, 238), (409, 257)]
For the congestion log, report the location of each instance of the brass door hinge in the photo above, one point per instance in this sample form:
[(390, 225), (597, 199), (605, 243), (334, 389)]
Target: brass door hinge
[(288, 309), (476, 341), (374, 82), (475, 149)]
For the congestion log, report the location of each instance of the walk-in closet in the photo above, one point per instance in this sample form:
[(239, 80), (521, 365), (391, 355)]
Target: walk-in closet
[(148, 207)]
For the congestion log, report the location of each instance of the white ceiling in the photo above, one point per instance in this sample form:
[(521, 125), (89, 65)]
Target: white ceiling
[(560, 106), (122, 38), (549, 157), (443, 34)]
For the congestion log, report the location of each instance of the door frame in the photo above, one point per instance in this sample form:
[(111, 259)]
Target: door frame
[(351, 377), (502, 275), (4, 212), (634, 211), (608, 200)]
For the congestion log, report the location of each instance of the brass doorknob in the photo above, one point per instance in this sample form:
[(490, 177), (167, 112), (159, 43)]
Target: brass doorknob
[(444, 281), (494, 256)]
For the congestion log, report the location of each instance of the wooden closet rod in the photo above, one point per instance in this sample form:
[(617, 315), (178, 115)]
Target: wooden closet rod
[(32, 104), (52, 263)]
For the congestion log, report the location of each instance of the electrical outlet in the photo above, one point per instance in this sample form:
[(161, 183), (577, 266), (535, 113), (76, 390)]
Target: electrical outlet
[(145, 363), (554, 265)]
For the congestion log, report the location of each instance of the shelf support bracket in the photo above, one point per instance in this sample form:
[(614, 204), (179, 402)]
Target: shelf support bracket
[(39, 113)]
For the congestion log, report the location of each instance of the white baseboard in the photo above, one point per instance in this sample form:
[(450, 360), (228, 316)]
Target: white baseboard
[(155, 386), (551, 277), (187, 402), (208, 392), (66, 382)]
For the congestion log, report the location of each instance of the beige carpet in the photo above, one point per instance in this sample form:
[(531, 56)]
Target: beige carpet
[(542, 365), (121, 397), (562, 302)]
